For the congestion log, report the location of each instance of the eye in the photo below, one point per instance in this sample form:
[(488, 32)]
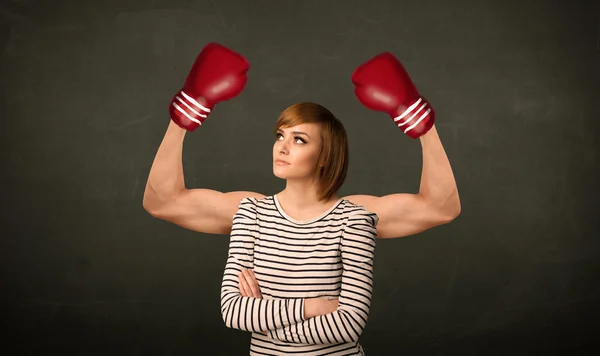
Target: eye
[(297, 139)]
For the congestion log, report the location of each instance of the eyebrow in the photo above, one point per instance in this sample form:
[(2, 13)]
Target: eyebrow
[(295, 132)]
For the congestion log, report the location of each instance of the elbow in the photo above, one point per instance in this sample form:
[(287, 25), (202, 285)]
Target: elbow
[(150, 206), (147, 205), (152, 203), (357, 324), (447, 217), (225, 322), (225, 311), (153, 199), (451, 214), (159, 203), (149, 201), (451, 210), (152, 209), (355, 337), (227, 308)]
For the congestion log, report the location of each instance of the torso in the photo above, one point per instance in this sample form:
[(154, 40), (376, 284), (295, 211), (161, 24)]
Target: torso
[(299, 258)]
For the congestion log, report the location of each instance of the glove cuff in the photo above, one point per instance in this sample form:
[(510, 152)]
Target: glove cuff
[(410, 117), (190, 108)]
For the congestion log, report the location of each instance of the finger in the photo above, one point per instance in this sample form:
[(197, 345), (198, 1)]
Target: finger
[(248, 283), (252, 284), (251, 272), (255, 281), (244, 290), (240, 285), (255, 284)]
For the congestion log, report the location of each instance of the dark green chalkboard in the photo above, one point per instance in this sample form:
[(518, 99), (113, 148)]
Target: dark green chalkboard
[(84, 105)]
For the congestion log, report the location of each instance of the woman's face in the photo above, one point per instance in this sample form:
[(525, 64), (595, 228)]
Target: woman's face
[(296, 151)]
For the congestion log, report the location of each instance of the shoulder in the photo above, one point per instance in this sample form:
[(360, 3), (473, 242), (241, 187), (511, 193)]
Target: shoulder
[(358, 214), (251, 205), (360, 223), (360, 229)]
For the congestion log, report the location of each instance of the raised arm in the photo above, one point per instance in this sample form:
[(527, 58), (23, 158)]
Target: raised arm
[(436, 203), (347, 323), (246, 313), (166, 197), (383, 84), (218, 74)]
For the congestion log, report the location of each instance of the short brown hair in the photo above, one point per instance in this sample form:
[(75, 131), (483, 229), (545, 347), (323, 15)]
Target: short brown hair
[(332, 163)]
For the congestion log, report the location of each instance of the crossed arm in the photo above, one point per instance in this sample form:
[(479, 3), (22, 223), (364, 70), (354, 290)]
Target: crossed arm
[(244, 313), (284, 319), (347, 323)]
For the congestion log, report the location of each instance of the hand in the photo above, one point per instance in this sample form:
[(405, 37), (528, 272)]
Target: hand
[(383, 84), (217, 75), (319, 306), (248, 284)]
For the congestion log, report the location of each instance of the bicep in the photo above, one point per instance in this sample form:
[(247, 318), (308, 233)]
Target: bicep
[(401, 214), (204, 210)]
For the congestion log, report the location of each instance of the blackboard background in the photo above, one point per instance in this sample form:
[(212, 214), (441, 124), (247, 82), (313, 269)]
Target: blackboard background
[(85, 92)]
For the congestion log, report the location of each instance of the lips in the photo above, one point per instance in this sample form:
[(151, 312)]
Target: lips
[(279, 161)]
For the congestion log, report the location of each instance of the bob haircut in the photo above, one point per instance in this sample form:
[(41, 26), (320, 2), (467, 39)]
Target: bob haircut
[(332, 163)]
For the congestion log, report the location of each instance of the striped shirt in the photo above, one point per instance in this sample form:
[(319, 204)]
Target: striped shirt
[(331, 255)]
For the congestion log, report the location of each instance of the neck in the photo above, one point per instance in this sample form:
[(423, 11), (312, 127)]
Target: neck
[(302, 195)]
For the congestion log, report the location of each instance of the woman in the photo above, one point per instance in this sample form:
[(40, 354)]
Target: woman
[(271, 285), (294, 249)]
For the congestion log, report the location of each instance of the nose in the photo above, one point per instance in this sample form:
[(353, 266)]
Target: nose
[(282, 147)]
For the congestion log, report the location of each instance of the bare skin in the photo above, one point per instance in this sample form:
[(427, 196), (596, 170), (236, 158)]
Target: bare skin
[(210, 211), (295, 153)]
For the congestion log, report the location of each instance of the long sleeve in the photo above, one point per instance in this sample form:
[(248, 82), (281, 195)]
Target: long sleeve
[(347, 323), (245, 313)]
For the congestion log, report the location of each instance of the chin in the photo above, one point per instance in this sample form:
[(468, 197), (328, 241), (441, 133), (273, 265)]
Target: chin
[(286, 172), (278, 173), (283, 174)]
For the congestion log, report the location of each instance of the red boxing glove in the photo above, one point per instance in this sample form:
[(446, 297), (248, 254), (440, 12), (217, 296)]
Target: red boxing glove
[(382, 84), (218, 74)]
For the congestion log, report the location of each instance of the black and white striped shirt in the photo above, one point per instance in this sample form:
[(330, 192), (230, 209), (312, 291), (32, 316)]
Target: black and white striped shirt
[(331, 255)]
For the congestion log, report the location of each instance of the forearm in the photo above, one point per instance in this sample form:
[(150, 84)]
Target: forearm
[(166, 179), (254, 314), (438, 185), (259, 315), (341, 326)]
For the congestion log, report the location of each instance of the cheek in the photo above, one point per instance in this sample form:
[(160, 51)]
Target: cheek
[(307, 157)]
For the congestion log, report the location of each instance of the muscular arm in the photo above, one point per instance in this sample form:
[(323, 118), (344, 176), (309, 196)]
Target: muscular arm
[(436, 203), (167, 198)]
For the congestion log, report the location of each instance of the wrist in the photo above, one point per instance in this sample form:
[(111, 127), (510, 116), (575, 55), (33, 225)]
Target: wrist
[(309, 306), (416, 119), (314, 307)]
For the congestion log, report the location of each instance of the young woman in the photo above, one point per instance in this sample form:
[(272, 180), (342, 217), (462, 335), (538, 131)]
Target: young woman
[(290, 251), (300, 263)]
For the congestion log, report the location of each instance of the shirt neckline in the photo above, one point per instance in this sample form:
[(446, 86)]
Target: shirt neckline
[(308, 221)]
